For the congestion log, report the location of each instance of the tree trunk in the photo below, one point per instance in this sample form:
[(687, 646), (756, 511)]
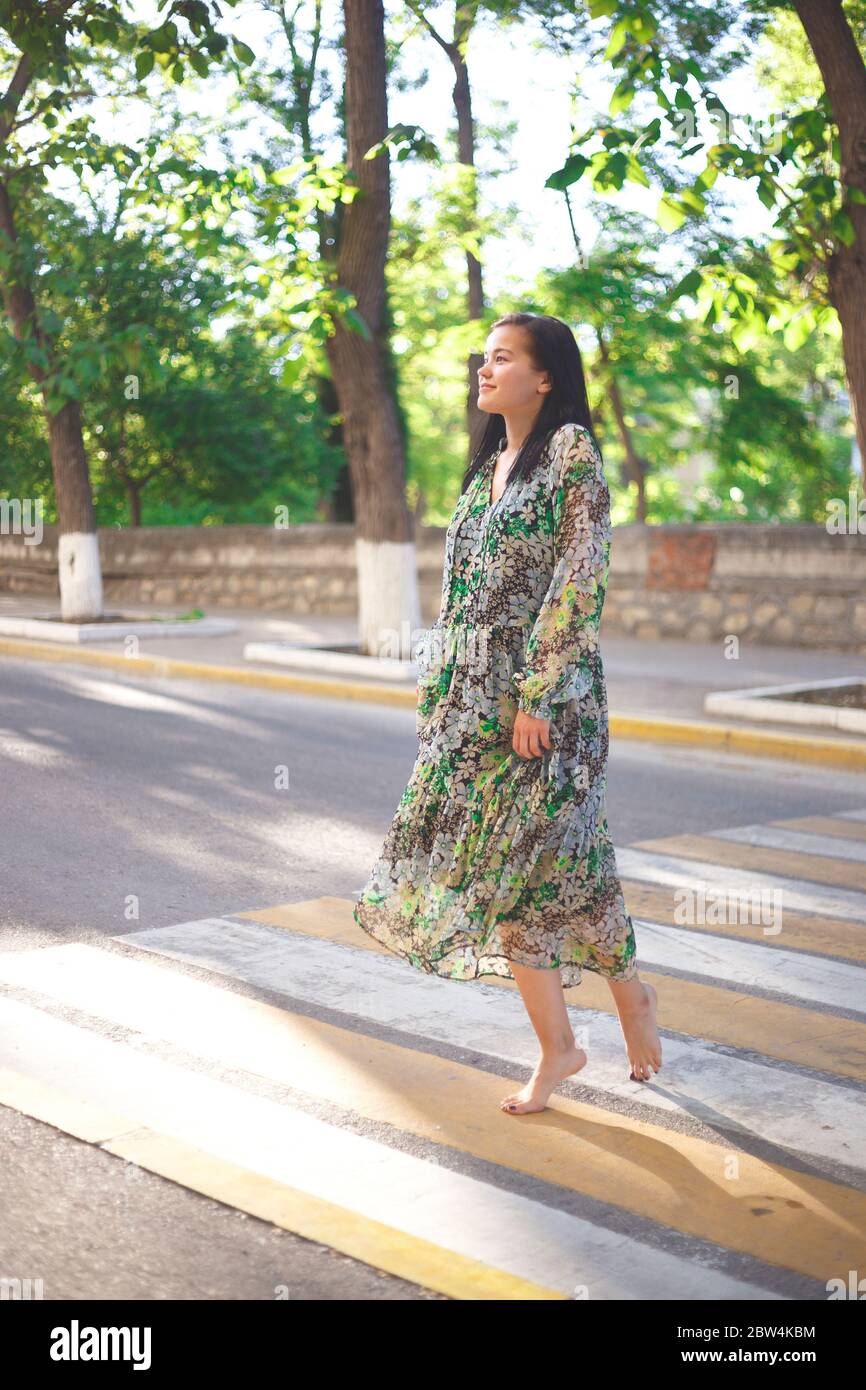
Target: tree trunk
[(133, 497), (844, 75), (77, 547), (475, 419), (464, 20), (389, 611), (632, 461), (79, 569)]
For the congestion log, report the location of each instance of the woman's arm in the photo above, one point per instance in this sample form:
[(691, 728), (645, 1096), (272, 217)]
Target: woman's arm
[(566, 628)]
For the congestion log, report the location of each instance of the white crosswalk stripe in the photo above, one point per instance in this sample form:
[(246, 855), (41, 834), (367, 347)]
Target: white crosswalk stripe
[(736, 1093), (799, 841), (324, 1019), (696, 874), (467, 1216), (813, 979)]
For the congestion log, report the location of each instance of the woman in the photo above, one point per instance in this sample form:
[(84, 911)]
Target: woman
[(498, 861)]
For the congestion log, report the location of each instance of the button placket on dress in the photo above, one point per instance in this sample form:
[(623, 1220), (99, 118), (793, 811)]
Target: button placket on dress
[(454, 650), (491, 510)]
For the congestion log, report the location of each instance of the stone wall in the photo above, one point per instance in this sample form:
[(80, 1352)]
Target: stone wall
[(782, 585), (789, 585)]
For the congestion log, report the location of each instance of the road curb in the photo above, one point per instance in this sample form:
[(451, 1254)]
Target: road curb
[(173, 667), (847, 753), (761, 743)]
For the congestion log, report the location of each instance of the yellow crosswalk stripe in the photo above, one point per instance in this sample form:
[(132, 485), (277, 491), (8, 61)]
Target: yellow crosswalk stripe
[(825, 825), (710, 1189), (788, 1032), (383, 1247), (803, 931), (816, 868), (716, 1192)]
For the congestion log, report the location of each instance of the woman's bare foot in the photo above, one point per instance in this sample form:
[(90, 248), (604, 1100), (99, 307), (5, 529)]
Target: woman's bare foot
[(549, 1071), (642, 1043)]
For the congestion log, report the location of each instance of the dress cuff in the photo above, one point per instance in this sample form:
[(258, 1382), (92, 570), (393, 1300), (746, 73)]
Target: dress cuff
[(542, 701)]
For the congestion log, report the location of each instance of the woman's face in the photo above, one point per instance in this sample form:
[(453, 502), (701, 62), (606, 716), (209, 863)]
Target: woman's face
[(508, 380)]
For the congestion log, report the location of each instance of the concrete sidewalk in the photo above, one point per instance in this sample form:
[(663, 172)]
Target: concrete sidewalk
[(655, 688)]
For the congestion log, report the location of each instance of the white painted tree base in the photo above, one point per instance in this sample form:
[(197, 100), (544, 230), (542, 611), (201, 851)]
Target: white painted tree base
[(80, 575), (389, 609)]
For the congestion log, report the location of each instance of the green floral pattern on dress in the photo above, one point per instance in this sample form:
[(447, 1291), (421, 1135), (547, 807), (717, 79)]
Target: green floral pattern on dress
[(491, 857)]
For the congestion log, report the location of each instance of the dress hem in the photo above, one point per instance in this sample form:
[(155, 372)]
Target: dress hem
[(566, 968)]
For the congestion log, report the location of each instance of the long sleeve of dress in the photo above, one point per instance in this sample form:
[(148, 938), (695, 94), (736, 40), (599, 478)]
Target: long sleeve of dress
[(565, 633)]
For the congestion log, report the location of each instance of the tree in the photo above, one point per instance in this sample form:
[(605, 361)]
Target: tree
[(52, 46), (387, 570), (810, 167), (455, 49), (468, 225), (666, 386)]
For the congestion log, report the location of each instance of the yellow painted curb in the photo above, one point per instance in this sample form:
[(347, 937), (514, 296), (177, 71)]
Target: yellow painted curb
[(847, 753), (169, 666), (765, 744)]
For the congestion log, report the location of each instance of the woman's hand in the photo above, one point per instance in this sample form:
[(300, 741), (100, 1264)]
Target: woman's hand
[(531, 736)]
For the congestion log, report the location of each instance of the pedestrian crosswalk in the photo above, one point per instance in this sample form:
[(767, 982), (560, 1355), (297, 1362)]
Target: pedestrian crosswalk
[(281, 1061)]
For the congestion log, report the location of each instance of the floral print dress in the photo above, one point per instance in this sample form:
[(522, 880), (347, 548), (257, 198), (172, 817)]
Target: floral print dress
[(491, 857)]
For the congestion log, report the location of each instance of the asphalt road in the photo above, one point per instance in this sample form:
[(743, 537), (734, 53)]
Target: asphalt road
[(130, 803), (174, 800)]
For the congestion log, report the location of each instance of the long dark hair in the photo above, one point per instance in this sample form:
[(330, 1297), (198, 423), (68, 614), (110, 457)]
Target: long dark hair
[(553, 349)]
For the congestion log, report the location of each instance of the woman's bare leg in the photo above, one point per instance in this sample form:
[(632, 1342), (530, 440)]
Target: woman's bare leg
[(636, 1006), (560, 1056)]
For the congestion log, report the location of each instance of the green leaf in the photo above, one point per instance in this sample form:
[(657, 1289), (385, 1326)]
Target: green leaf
[(843, 227), (766, 193), (635, 172), (669, 215), (353, 318), (292, 368), (599, 8), (688, 285), (798, 330), (287, 175), (623, 96), (571, 171), (643, 26), (746, 334), (243, 52), (617, 39), (144, 63), (689, 198), (708, 177), (612, 174)]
